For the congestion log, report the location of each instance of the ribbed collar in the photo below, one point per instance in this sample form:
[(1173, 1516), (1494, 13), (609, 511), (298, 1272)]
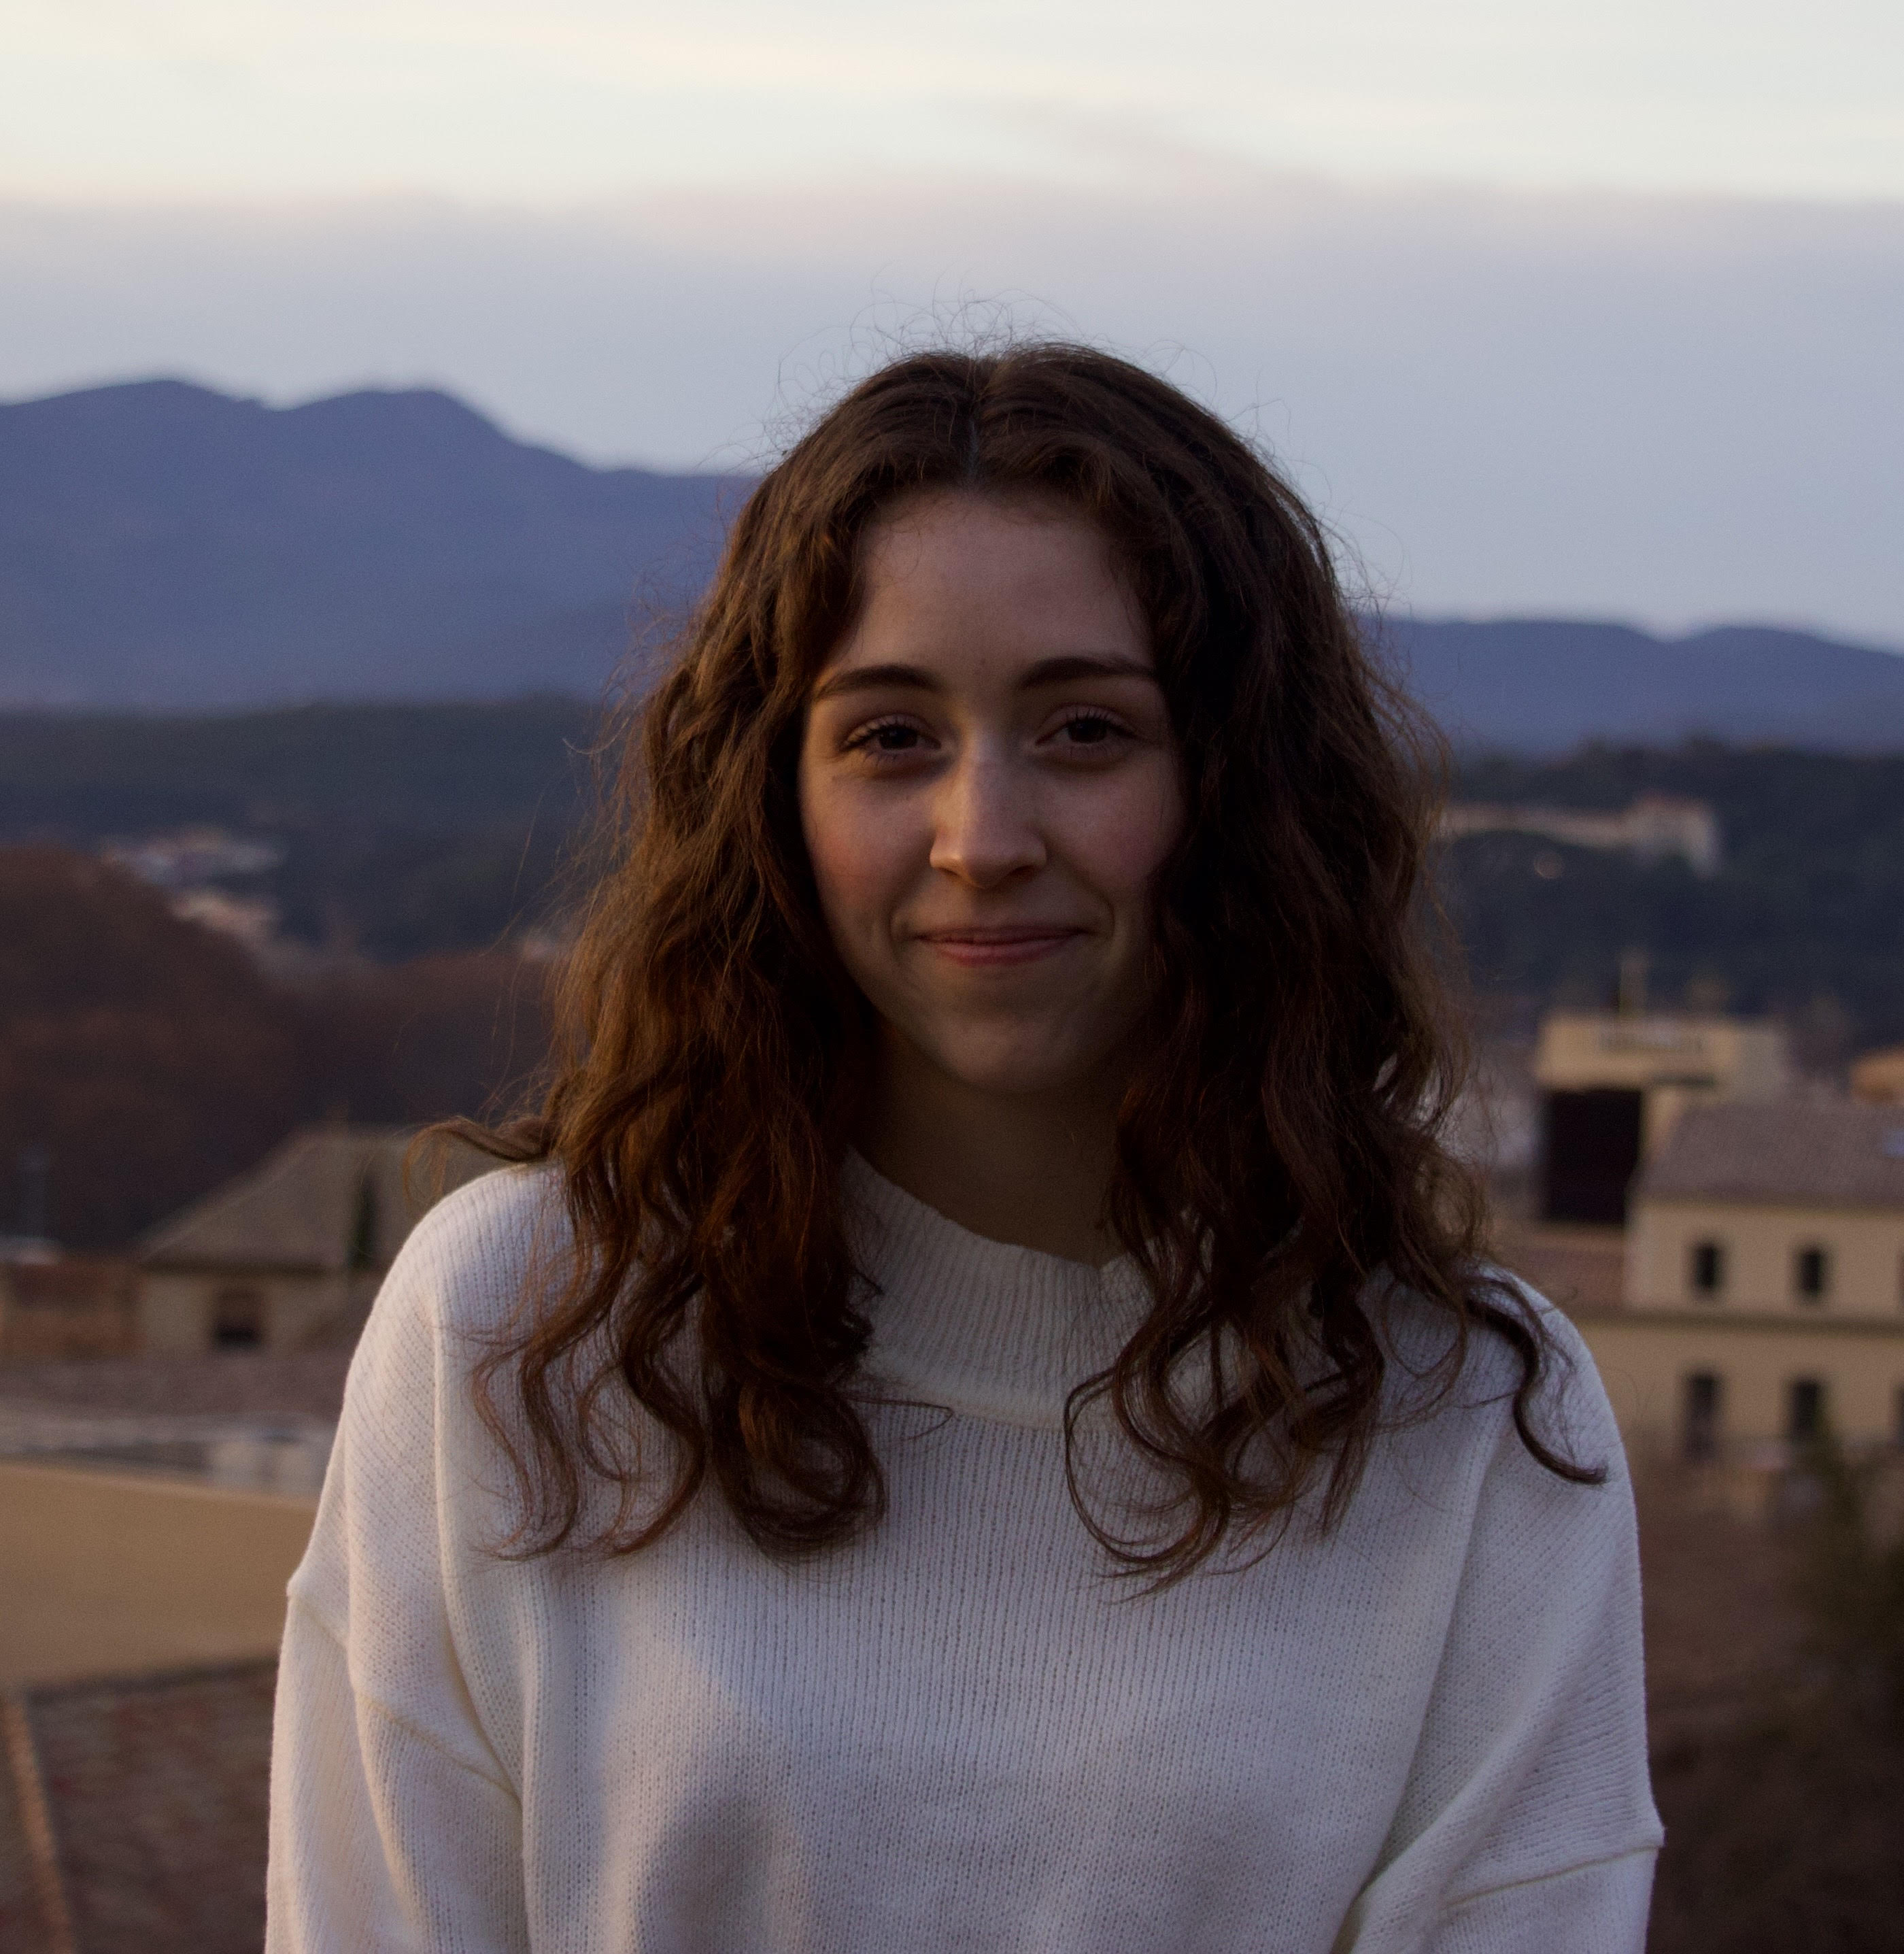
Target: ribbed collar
[(983, 1327)]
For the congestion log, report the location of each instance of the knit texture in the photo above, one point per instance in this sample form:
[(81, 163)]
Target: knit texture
[(1422, 1730)]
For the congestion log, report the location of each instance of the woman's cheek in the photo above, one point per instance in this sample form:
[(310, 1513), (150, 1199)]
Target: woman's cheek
[(1120, 840), (857, 853)]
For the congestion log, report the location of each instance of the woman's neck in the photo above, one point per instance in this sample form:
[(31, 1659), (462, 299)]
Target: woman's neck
[(1032, 1170)]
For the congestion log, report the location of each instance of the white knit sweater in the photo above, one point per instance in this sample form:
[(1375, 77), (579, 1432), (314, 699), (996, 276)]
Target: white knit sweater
[(1421, 1731)]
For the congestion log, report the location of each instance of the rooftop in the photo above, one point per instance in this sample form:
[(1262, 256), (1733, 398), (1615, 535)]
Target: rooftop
[(261, 1384), (1830, 1155), (330, 1198), (133, 1816)]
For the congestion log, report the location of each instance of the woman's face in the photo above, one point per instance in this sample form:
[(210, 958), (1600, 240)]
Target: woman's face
[(988, 786)]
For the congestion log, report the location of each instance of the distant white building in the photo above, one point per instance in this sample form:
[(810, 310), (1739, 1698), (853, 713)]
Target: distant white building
[(289, 1255), (1655, 828), (191, 865), (192, 857), (251, 919)]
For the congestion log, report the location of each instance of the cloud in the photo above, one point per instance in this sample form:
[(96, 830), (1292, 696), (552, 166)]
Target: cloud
[(1673, 410), (490, 97)]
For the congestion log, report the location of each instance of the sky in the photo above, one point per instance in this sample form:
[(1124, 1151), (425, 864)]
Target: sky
[(1550, 308)]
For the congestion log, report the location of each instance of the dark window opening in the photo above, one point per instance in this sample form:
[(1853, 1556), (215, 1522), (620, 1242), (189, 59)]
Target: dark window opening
[(1805, 1411), (1811, 1274), (1589, 1153), (238, 1319), (362, 1251), (1702, 1397), (1708, 1268)]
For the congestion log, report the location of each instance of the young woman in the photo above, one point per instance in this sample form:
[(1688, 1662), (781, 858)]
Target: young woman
[(979, 1421)]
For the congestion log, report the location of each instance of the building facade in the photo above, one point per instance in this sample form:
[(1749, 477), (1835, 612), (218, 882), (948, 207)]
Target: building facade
[(1878, 1078), (289, 1256), (1612, 1085), (58, 1306), (1764, 1283)]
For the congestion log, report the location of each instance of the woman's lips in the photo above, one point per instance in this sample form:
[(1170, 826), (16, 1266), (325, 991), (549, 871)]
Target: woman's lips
[(1014, 943)]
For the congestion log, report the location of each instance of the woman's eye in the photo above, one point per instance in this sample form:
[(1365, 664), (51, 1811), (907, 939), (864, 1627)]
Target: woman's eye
[(1089, 729), (886, 736)]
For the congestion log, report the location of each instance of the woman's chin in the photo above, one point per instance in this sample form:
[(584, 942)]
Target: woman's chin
[(1018, 1069)]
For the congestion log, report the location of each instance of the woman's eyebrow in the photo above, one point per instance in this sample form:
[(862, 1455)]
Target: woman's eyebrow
[(875, 678), (1047, 671), (1078, 664)]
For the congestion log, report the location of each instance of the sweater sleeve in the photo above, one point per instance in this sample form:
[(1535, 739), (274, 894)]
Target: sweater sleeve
[(1599, 1909), (1527, 1826), (395, 1823)]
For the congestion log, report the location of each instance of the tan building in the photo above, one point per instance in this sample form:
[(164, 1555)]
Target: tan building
[(1878, 1077), (61, 1306), (1612, 1084), (1764, 1283), (289, 1255)]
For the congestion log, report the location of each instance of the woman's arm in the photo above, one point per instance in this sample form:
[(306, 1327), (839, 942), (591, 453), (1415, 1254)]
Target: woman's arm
[(381, 1839), (394, 1823), (1528, 1825), (1597, 1909)]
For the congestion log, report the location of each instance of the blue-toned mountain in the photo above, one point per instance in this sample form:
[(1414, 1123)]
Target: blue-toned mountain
[(163, 544), (1542, 686)]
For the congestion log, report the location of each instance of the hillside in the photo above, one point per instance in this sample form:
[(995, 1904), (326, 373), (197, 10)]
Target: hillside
[(78, 776), (144, 1060), (415, 830), (1804, 918), (1546, 686), (405, 829), (163, 544), (434, 840)]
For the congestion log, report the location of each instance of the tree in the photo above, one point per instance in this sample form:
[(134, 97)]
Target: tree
[(146, 1056)]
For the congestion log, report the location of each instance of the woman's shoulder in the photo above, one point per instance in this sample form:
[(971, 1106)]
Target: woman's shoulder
[(470, 1261), (1473, 1372)]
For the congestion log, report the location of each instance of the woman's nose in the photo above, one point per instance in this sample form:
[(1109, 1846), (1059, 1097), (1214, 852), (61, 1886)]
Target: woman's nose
[(985, 828)]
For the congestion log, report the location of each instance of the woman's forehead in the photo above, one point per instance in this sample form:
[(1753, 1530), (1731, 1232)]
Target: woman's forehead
[(961, 577)]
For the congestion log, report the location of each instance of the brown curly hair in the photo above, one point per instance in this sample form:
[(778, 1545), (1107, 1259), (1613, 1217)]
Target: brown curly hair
[(1277, 1152)]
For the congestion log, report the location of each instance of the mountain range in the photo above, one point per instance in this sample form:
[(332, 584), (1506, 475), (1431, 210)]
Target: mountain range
[(164, 545), (1546, 686)]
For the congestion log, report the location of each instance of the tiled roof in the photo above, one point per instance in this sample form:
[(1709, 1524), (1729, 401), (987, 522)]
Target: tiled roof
[(1574, 1268), (132, 1816), (229, 1383), (1821, 1155), (301, 1206)]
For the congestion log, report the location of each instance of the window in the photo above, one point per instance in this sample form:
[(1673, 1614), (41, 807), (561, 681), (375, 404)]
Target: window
[(1589, 1151), (1811, 1274), (1708, 1268), (238, 1319), (1805, 1411), (363, 1252), (1703, 1391)]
